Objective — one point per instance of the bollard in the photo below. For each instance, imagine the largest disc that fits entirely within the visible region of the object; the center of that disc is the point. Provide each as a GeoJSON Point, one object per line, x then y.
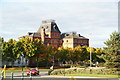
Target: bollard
{"type": "Point", "coordinates": [22, 75]}
{"type": "Point", "coordinates": [12, 75]}
{"type": "Point", "coordinates": [72, 78]}
{"type": "Point", "coordinates": [30, 76]}
{"type": "Point", "coordinates": [2, 77]}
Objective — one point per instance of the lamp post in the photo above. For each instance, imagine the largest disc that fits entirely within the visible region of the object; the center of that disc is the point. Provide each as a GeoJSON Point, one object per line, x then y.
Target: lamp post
{"type": "Point", "coordinates": [22, 61]}
{"type": "Point", "coordinates": [64, 67]}
{"type": "Point", "coordinates": [90, 53]}
{"type": "Point", "coordinates": [53, 61]}
{"type": "Point", "coordinates": [90, 56]}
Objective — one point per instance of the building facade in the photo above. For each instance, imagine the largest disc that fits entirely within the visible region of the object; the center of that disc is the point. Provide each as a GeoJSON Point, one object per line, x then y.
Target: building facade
{"type": "Point", "coordinates": [72, 40]}
{"type": "Point", "coordinates": [50, 34]}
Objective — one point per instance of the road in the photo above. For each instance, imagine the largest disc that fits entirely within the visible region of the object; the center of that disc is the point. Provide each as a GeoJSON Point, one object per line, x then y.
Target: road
{"type": "Point", "coordinates": [44, 76]}
{"type": "Point", "coordinates": [19, 73]}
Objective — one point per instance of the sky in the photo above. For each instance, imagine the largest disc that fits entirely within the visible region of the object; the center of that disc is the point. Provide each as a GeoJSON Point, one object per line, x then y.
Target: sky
{"type": "Point", "coordinates": [94, 19]}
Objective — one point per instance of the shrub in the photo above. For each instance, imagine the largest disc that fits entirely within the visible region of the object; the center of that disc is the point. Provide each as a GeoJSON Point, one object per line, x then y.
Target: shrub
{"type": "Point", "coordinates": [50, 71]}
{"type": "Point", "coordinates": [86, 71]}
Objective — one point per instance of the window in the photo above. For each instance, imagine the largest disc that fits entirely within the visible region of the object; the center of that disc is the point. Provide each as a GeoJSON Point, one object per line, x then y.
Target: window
{"type": "Point", "coordinates": [46, 27]}
{"type": "Point", "coordinates": [67, 34]}
{"type": "Point", "coordinates": [52, 41]}
{"type": "Point", "coordinates": [66, 40]}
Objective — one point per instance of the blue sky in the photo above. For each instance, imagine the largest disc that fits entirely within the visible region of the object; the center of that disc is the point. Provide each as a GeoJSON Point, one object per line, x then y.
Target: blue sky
{"type": "Point", "coordinates": [94, 19]}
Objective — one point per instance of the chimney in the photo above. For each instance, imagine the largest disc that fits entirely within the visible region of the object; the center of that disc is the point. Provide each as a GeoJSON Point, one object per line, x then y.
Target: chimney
{"type": "Point", "coordinates": [42, 35]}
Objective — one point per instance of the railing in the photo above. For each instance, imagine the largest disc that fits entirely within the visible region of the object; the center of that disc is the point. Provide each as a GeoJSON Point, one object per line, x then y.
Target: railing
{"type": "Point", "coordinates": [12, 76]}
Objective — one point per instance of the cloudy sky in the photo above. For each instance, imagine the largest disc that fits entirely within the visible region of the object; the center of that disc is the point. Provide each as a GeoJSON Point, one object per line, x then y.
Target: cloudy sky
{"type": "Point", "coordinates": [94, 19]}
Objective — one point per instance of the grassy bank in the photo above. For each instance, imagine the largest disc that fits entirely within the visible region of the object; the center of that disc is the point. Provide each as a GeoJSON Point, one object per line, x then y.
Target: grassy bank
{"type": "Point", "coordinates": [92, 75]}
{"type": "Point", "coordinates": [92, 72]}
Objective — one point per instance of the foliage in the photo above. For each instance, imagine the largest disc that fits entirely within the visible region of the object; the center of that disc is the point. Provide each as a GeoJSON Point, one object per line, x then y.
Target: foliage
{"type": "Point", "coordinates": [26, 47]}
{"type": "Point", "coordinates": [8, 52]}
{"type": "Point", "coordinates": [64, 54]}
{"type": "Point", "coordinates": [112, 51]}
{"type": "Point", "coordinates": [33, 49]}
{"type": "Point", "coordinates": [102, 71]}
{"type": "Point", "coordinates": [79, 54]}
{"type": "Point", "coordinates": [50, 71]}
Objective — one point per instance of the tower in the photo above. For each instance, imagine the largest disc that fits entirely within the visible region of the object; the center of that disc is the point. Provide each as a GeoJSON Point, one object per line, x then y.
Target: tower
{"type": "Point", "coordinates": [50, 33]}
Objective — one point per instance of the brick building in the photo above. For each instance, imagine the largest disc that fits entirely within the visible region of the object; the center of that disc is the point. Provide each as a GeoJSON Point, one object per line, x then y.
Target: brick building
{"type": "Point", "coordinates": [49, 33]}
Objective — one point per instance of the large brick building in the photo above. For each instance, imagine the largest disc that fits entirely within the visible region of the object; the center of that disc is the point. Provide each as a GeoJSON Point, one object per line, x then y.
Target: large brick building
{"type": "Point", "coordinates": [50, 34]}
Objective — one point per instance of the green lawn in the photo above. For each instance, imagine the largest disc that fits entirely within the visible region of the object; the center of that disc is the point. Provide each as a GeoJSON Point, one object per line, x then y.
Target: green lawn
{"type": "Point", "coordinates": [93, 75]}
{"type": "Point", "coordinates": [13, 70]}
{"type": "Point", "coordinates": [20, 69]}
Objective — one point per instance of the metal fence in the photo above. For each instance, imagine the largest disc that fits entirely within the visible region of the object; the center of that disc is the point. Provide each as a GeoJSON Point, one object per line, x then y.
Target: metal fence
{"type": "Point", "coordinates": [12, 77]}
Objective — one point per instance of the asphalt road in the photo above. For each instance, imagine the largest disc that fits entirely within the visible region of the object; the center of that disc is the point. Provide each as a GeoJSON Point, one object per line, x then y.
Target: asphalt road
{"type": "Point", "coordinates": [63, 78]}
{"type": "Point", "coordinates": [44, 76]}
{"type": "Point", "coordinates": [19, 74]}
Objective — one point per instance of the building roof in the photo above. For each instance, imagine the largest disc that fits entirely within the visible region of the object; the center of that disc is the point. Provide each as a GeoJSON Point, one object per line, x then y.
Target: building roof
{"type": "Point", "coordinates": [34, 34]}
{"type": "Point", "coordinates": [72, 35]}
{"type": "Point", "coordinates": [49, 26]}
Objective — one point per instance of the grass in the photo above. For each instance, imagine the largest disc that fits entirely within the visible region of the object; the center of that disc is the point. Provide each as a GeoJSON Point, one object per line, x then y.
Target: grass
{"type": "Point", "coordinates": [20, 69]}
{"type": "Point", "coordinates": [93, 75]}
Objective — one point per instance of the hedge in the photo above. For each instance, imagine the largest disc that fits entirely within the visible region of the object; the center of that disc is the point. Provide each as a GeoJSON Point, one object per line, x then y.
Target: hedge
{"type": "Point", "coordinates": [101, 71]}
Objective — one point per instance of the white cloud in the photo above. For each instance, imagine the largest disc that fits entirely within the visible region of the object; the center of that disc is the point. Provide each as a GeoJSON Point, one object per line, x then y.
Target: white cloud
{"type": "Point", "coordinates": [100, 18]}
{"type": "Point", "coordinates": [61, 0]}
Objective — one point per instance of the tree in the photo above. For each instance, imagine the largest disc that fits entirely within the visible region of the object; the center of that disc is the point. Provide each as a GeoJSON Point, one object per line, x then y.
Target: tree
{"type": "Point", "coordinates": [63, 54]}
{"type": "Point", "coordinates": [96, 52]}
{"type": "Point", "coordinates": [30, 48]}
{"type": "Point", "coordinates": [38, 48]}
{"type": "Point", "coordinates": [112, 51]}
{"type": "Point", "coordinates": [8, 52]}
{"type": "Point", "coordinates": [1, 41]}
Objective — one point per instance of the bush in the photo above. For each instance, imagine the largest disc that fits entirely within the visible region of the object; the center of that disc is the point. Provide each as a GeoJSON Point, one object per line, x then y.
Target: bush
{"type": "Point", "coordinates": [103, 71]}
{"type": "Point", "coordinates": [49, 72]}
{"type": "Point", "coordinates": [66, 66]}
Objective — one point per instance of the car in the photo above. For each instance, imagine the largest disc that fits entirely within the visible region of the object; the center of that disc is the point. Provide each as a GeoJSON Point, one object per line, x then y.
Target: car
{"type": "Point", "coordinates": [33, 71]}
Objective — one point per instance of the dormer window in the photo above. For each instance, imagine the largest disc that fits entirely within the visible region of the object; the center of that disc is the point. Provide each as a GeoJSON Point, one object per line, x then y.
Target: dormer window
{"type": "Point", "coordinates": [66, 40]}
{"type": "Point", "coordinates": [46, 27]}
{"type": "Point", "coordinates": [54, 27]}
{"type": "Point", "coordinates": [67, 34]}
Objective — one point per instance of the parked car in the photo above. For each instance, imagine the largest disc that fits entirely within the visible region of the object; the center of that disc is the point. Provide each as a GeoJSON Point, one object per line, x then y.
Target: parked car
{"type": "Point", "coordinates": [33, 71]}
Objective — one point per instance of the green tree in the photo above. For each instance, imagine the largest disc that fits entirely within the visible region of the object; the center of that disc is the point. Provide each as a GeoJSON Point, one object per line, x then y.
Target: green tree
{"type": "Point", "coordinates": [1, 42]}
{"type": "Point", "coordinates": [63, 54]}
{"type": "Point", "coordinates": [8, 52]}
{"type": "Point", "coordinates": [112, 51]}
{"type": "Point", "coordinates": [30, 48]}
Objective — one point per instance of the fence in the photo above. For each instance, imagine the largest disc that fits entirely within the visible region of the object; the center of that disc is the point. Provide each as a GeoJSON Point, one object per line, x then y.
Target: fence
{"type": "Point", "coordinates": [12, 77]}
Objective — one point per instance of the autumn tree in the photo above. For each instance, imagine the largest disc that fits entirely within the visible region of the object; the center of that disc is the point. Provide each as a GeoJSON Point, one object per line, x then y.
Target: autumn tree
{"type": "Point", "coordinates": [63, 54]}
{"type": "Point", "coordinates": [30, 48]}
{"type": "Point", "coordinates": [8, 52]}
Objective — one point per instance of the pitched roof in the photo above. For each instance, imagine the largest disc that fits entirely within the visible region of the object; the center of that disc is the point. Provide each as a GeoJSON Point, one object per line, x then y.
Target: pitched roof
{"type": "Point", "coordinates": [34, 34]}
{"type": "Point", "coordinates": [49, 26]}
{"type": "Point", "coordinates": [72, 35]}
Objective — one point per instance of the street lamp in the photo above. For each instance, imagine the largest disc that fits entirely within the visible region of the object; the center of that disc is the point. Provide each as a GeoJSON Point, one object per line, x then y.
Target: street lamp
{"type": "Point", "coordinates": [53, 61]}
{"type": "Point", "coordinates": [90, 56]}
{"type": "Point", "coordinates": [22, 61]}
{"type": "Point", "coordinates": [90, 53]}
{"type": "Point", "coordinates": [64, 67]}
